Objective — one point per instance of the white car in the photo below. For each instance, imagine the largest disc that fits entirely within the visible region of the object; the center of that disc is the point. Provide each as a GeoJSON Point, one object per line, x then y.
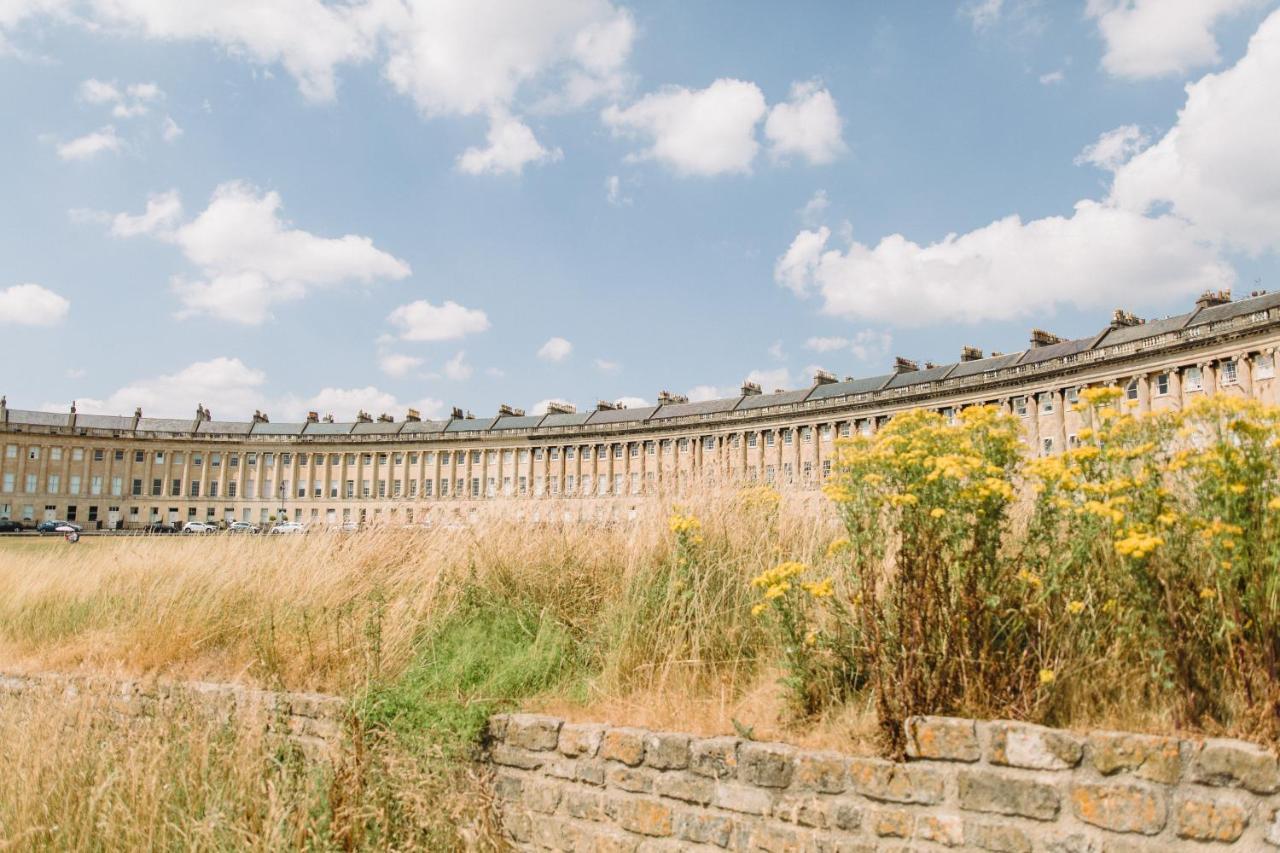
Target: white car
{"type": "Point", "coordinates": [199, 527]}
{"type": "Point", "coordinates": [289, 527]}
{"type": "Point", "coordinates": [242, 527]}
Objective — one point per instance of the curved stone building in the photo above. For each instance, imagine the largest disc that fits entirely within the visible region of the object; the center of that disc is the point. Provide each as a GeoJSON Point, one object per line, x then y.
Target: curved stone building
{"type": "Point", "coordinates": [127, 471]}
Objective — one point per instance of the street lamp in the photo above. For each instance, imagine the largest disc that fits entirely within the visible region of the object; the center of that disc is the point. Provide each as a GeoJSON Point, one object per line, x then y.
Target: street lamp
{"type": "Point", "coordinates": [282, 516]}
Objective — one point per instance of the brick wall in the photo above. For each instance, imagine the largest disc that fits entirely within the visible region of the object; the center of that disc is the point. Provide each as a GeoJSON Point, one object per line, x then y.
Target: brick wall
{"type": "Point", "coordinates": [314, 721]}
{"type": "Point", "coordinates": [998, 786]}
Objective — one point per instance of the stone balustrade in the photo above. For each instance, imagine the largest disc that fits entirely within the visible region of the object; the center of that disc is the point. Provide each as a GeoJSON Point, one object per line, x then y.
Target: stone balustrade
{"type": "Point", "coordinates": [967, 785]}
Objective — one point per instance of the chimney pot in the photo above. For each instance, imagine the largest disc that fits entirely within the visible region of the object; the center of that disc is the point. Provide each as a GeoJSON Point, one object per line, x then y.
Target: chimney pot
{"type": "Point", "coordinates": [1213, 297]}
{"type": "Point", "coordinates": [751, 389]}
{"type": "Point", "coordinates": [904, 365]}
{"type": "Point", "coordinates": [823, 377]}
{"type": "Point", "coordinates": [968, 353]}
{"type": "Point", "coordinates": [1041, 338]}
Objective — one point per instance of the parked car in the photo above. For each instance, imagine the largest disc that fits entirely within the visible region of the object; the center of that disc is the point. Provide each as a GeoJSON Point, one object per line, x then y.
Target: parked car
{"type": "Point", "coordinates": [160, 527]}
{"type": "Point", "coordinates": [243, 527]}
{"type": "Point", "coordinates": [8, 525]}
{"type": "Point", "coordinates": [198, 527]}
{"type": "Point", "coordinates": [52, 526]}
{"type": "Point", "coordinates": [289, 527]}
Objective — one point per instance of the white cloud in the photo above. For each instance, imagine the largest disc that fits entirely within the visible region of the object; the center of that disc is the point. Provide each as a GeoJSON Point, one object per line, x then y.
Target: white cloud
{"type": "Point", "coordinates": [815, 208]}
{"type": "Point", "coordinates": [613, 192]}
{"type": "Point", "coordinates": [699, 393]}
{"type": "Point", "coordinates": [830, 344]}
{"type": "Point", "coordinates": [250, 258]}
{"type": "Point", "coordinates": [983, 14]}
{"type": "Point", "coordinates": [422, 321]}
{"type": "Point", "coordinates": [768, 380]}
{"type": "Point", "coordinates": [1114, 147]}
{"type": "Point", "coordinates": [162, 213]}
{"type": "Point", "coordinates": [556, 349]}
{"type": "Point", "coordinates": [808, 124]}
{"type": "Point", "coordinates": [31, 305]}
{"type": "Point", "coordinates": [398, 364]}
{"type": "Point", "coordinates": [512, 146]}
{"type": "Point", "coordinates": [1217, 166]}
{"type": "Point", "coordinates": [232, 390]}
{"type": "Point", "coordinates": [1155, 38]}
{"type": "Point", "coordinates": [92, 144]}
{"type": "Point", "coordinates": [132, 101]}
{"type": "Point", "coordinates": [704, 132]}
{"type": "Point", "coordinates": [775, 351]}
{"type": "Point", "coordinates": [76, 373]}
{"type": "Point", "coordinates": [871, 345]}
{"type": "Point", "coordinates": [457, 368]}
{"type": "Point", "coordinates": [1052, 78]}
{"type": "Point", "coordinates": [1007, 269]}
{"type": "Point", "coordinates": [606, 366]}
{"type": "Point", "coordinates": [632, 402]}
{"type": "Point", "coordinates": [170, 130]}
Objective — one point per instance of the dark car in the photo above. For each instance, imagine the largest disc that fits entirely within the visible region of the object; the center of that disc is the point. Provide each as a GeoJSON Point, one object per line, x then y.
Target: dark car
{"type": "Point", "coordinates": [10, 526]}
{"type": "Point", "coordinates": [52, 526]}
{"type": "Point", "coordinates": [160, 527]}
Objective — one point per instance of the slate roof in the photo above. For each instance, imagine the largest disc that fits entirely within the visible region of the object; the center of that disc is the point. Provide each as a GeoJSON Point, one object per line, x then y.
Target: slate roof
{"type": "Point", "coordinates": [621, 416]}
{"type": "Point", "coordinates": [104, 422]}
{"type": "Point", "coordinates": [565, 419]}
{"type": "Point", "coordinates": [701, 407]}
{"type": "Point", "coordinates": [469, 424]}
{"type": "Point", "coordinates": [376, 428]}
{"type": "Point", "coordinates": [278, 429]}
{"type": "Point", "coordinates": [982, 365]}
{"type": "Point", "coordinates": [224, 427]}
{"type": "Point", "coordinates": [326, 428]}
{"type": "Point", "coordinates": [31, 418]}
{"type": "Point", "coordinates": [517, 422]}
{"type": "Point", "coordinates": [780, 398]}
{"type": "Point", "coordinates": [1236, 309]}
{"type": "Point", "coordinates": [915, 377]}
{"type": "Point", "coordinates": [178, 425]}
{"type": "Point", "coordinates": [423, 427]}
{"type": "Point", "coordinates": [1035, 355]}
{"type": "Point", "coordinates": [1125, 334]}
{"type": "Point", "coordinates": [849, 386]}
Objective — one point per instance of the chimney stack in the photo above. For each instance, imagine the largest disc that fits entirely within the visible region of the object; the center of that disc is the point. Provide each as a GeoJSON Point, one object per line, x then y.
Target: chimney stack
{"type": "Point", "coordinates": [260, 417]}
{"type": "Point", "coordinates": [413, 416]}
{"type": "Point", "coordinates": [509, 411]}
{"type": "Point", "coordinates": [1041, 338]}
{"type": "Point", "coordinates": [384, 418]}
{"type": "Point", "coordinates": [606, 406]}
{"type": "Point", "coordinates": [362, 417]}
{"type": "Point", "coordinates": [751, 389]}
{"type": "Point", "coordinates": [313, 417]}
{"type": "Point", "coordinates": [904, 365]}
{"type": "Point", "coordinates": [456, 414]}
{"type": "Point", "coordinates": [823, 377]}
{"type": "Point", "coordinates": [968, 353]}
{"type": "Point", "coordinates": [1210, 298]}
{"type": "Point", "coordinates": [559, 407]}
{"type": "Point", "coordinates": [328, 418]}
{"type": "Point", "coordinates": [666, 398]}
{"type": "Point", "coordinates": [1122, 318]}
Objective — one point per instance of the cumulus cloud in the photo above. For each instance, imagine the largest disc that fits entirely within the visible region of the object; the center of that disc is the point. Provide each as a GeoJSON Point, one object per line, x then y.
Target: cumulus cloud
{"type": "Point", "coordinates": [422, 321]}
{"type": "Point", "coordinates": [1210, 185]}
{"type": "Point", "coordinates": [613, 192]}
{"type": "Point", "coordinates": [1113, 148]}
{"type": "Point", "coordinates": [398, 364]}
{"type": "Point", "coordinates": [815, 208]}
{"type": "Point", "coordinates": [512, 146]}
{"type": "Point", "coordinates": [699, 393]}
{"type": "Point", "coordinates": [808, 124]}
{"type": "Point", "coordinates": [90, 145]}
{"type": "Point", "coordinates": [1155, 38]}
{"type": "Point", "coordinates": [543, 406]}
{"type": "Point", "coordinates": [555, 349]}
{"type": "Point", "coordinates": [232, 390]}
{"type": "Point", "coordinates": [250, 259]}
{"type": "Point", "coordinates": [1217, 167]}
{"type": "Point", "coordinates": [457, 368]}
{"type": "Point", "coordinates": [632, 402]}
{"type": "Point", "coordinates": [31, 305]}
{"type": "Point", "coordinates": [768, 380]}
{"type": "Point", "coordinates": [170, 131]}
{"type": "Point", "coordinates": [703, 132]}
{"type": "Point", "coordinates": [1052, 78]}
{"type": "Point", "coordinates": [606, 366]}
{"type": "Point", "coordinates": [131, 101]}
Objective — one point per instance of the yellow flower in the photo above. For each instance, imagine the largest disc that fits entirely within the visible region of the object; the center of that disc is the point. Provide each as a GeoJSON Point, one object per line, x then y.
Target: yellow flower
{"type": "Point", "coordinates": [1238, 488]}
{"type": "Point", "coordinates": [759, 608]}
{"type": "Point", "coordinates": [1047, 677]}
{"type": "Point", "coordinates": [810, 639]}
{"type": "Point", "coordinates": [839, 546]}
{"type": "Point", "coordinates": [821, 589]}
{"type": "Point", "coordinates": [1207, 593]}
{"type": "Point", "coordinates": [1075, 607]}
{"type": "Point", "coordinates": [937, 512]}
{"type": "Point", "coordinates": [1274, 503]}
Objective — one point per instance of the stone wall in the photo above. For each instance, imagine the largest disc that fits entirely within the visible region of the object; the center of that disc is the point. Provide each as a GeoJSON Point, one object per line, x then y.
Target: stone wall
{"type": "Point", "coordinates": [314, 721]}
{"type": "Point", "coordinates": [997, 786]}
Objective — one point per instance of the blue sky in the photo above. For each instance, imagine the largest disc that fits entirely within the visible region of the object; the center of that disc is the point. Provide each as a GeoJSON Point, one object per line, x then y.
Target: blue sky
{"type": "Point", "coordinates": [292, 204]}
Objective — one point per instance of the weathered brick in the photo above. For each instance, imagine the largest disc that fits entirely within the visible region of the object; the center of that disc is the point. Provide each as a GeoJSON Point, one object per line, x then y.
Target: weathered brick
{"type": "Point", "coordinates": [895, 783]}
{"type": "Point", "coordinates": [1158, 759]}
{"type": "Point", "coordinates": [645, 817]}
{"type": "Point", "coordinates": [1073, 843]}
{"type": "Point", "coordinates": [947, 830]}
{"type": "Point", "coordinates": [1033, 747]}
{"type": "Point", "coordinates": [704, 828]}
{"type": "Point", "coordinates": [561, 768]}
{"type": "Point", "coordinates": [685, 787]}
{"type": "Point", "coordinates": [550, 833]}
{"type": "Point", "coordinates": [580, 739]}
{"type": "Point", "coordinates": [1272, 834]}
{"type": "Point", "coordinates": [804, 810]}
{"type": "Point", "coordinates": [1210, 818]}
{"type": "Point", "coordinates": [583, 804]}
{"type": "Point", "coordinates": [509, 756]}
{"type": "Point", "coordinates": [507, 786]}
{"type": "Point", "coordinates": [1003, 793]}
{"type": "Point", "coordinates": [769, 765]}
{"type": "Point", "coordinates": [634, 779]}
{"type": "Point", "coordinates": [847, 815]}
{"type": "Point", "coordinates": [742, 798]}
{"type": "Point", "coordinates": [997, 837]}
{"type": "Point", "coordinates": [623, 744]}
{"type": "Point", "coordinates": [610, 840]}
{"type": "Point", "coordinates": [534, 732]}
{"type": "Point", "coordinates": [773, 839]}
{"type": "Point", "coordinates": [497, 727]}
{"type": "Point", "coordinates": [1120, 808]}
{"type": "Point", "coordinates": [892, 823]}
{"type": "Point", "coordinates": [839, 844]}
{"type": "Point", "coordinates": [543, 797]}
{"type": "Point", "coordinates": [821, 771]}
{"type": "Point", "coordinates": [716, 757]}
{"type": "Point", "coordinates": [942, 739]}
{"type": "Point", "coordinates": [517, 825]}
{"type": "Point", "coordinates": [666, 751]}
{"type": "Point", "coordinates": [1236, 763]}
